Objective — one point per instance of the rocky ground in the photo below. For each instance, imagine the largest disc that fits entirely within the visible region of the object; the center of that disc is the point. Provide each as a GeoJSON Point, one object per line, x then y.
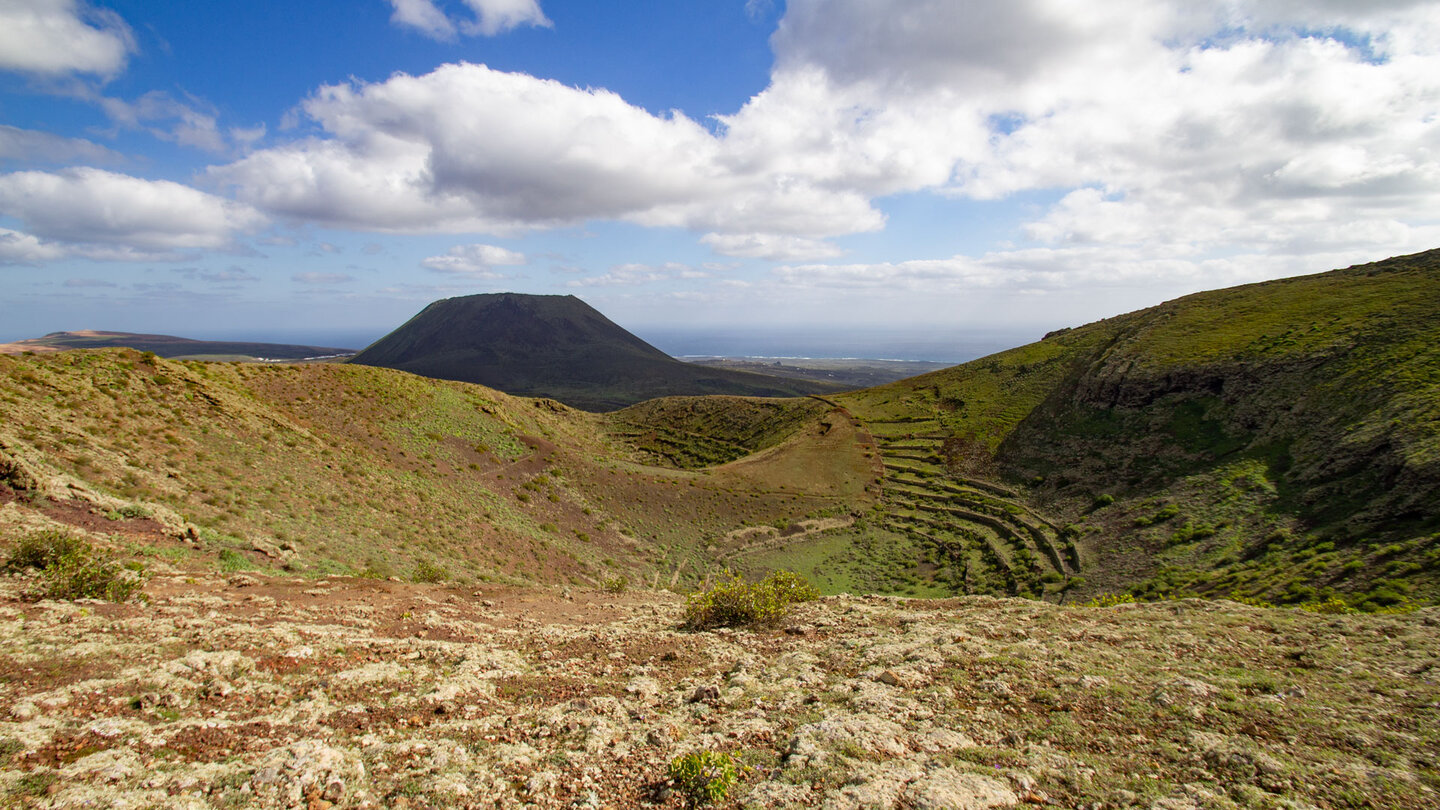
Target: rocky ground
{"type": "Point", "coordinates": [252, 692]}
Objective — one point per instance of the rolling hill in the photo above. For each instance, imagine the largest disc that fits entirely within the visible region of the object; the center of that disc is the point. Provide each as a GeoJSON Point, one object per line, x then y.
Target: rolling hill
{"type": "Point", "coordinates": [371, 588]}
{"type": "Point", "coordinates": [555, 346]}
{"type": "Point", "coordinates": [173, 347]}
{"type": "Point", "coordinates": [1275, 442]}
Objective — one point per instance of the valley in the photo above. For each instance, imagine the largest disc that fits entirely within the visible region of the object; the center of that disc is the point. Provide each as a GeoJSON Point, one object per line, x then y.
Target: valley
{"type": "Point", "coordinates": [432, 591]}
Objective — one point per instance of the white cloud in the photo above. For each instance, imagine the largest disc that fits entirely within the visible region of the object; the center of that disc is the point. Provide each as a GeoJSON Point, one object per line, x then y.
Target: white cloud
{"type": "Point", "coordinates": [104, 215]}
{"type": "Point", "coordinates": [188, 123]}
{"type": "Point", "coordinates": [777, 247]}
{"type": "Point", "coordinates": [58, 37]}
{"type": "Point", "coordinates": [632, 274]}
{"type": "Point", "coordinates": [31, 146]}
{"type": "Point", "coordinates": [467, 149]}
{"type": "Point", "coordinates": [423, 16]}
{"type": "Point", "coordinates": [474, 260]}
{"type": "Point", "coordinates": [322, 278]}
{"type": "Point", "coordinates": [491, 17]}
{"type": "Point", "coordinates": [1199, 130]}
{"type": "Point", "coordinates": [497, 16]}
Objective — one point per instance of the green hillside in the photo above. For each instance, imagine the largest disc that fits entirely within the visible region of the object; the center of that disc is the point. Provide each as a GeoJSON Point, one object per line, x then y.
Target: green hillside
{"type": "Point", "coordinates": [555, 346]}
{"type": "Point", "coordinates": [349, 469]}
{"type": "Point", "coordinates": [1277, 440]}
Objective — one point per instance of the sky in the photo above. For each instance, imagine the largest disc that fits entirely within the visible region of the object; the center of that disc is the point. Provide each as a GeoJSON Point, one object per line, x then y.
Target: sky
{"type": "Point", "coordinates": [962, 169]}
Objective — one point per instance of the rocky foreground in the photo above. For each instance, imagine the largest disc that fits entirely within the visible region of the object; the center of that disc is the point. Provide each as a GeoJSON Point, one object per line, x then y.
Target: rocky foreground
{"type": "Point", "coordinates": [249, 692]}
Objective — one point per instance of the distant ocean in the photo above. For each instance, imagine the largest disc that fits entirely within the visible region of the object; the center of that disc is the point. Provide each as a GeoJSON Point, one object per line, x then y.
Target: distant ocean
{"type": "Point", "coordinates": [941, 346]}
{"type": "Point", "coordinates": [876, 344]}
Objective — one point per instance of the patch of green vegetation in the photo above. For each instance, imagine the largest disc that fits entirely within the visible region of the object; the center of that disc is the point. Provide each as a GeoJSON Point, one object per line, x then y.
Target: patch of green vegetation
{"type": "Point", "coordinates": [231, 561]}
{"type": "Point", "coordinates": [70, 568]}
{"type": "Point", "coordinates": [428, 572]}
{"type": "Point", "coordinates": [703, 778]}
{"type": "Point", "coordinates": [733, 602]}
{"type": "Point", "coordinates": [696, 432]}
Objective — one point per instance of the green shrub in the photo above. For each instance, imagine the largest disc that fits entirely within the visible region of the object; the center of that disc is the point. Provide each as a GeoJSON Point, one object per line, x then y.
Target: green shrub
{"type": "Point", "coordinates": [733, 602]}
{"type": "Point", "coordinates": [703, 777]}
{"type": "Point", "coordinates": [1105, 600]}
{"type": "Point", "coordinates": [1334, 605]}
{"type": "Point", "coordinates": [618, 584]}
{"type": "Point", "coordinates": [1103, 500]}
{"type": "Point", "coordinates": [232, 560]}
{"type": "Point", "coordinates": [40, 550]}
{"type": "Point", "coordinates": [71, 568]}
{"type": "Point", "coordinates": [426, 571]}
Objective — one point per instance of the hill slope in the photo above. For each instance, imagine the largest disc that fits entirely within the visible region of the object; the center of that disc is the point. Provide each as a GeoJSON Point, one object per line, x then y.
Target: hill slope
{"type": "Point", "coordinates": [1280, 439]}
{"type": "Point", "coordinates": [171, 346]}
{"type": "Point", "coordinates": [554, 346]}
{"type": "Point", "coordinates": [325, 468]}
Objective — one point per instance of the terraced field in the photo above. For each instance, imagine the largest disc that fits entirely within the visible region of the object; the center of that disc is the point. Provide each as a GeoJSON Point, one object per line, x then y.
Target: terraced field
{"type": "Point", "coordinates": [981, 535]}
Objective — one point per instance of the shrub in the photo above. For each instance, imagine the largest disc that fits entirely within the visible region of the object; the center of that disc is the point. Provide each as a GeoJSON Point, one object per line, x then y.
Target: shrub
{"type": "Point", "coordinates": [1111, 600]}
{"type": "Point", "coordinates": [1334, 605]}
{"type": "Point", "coordinates": [736, 603]}
{"type": "Point", "coordinates": [618, 584]}
{"type": "Point", "coordinates": [1103, 500]}
{"type": "Point", "coordinates": [42, 549]}
{"type": "Point", "coordinates": [703, 777]}
{"type": "Point", "coordinates": [426, 571]}
{"type": "Point", "coordinates": [71, 568]}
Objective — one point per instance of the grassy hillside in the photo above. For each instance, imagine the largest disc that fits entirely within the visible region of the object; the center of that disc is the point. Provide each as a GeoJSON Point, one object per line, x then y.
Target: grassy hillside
{"type": "Point", "coordinates": [555, 346]}
{"type": "Point", "coordinates": [1277, 440]}
{"type": "Point", "coordinates": [175, 348]}
{"type": "Point", "coordinates": [359, 470]}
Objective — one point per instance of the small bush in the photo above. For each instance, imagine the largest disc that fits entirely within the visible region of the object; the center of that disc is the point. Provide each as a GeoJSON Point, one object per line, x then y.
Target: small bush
{"type": "Point", "coordinates": [1334, 606]}
{"type": "Point", "coordinates": [737, 603]}
{"type": "Point", "coordinates": [426, 571]}
{"type": "Point", "coordinates": [1105, 600]}
{"type": "Point", "coordinates": [71, 568]}
{"type": "Point", "coordinates": [703, 777]}
{"type": "Point", "coordinates": [41, 550]}
{"type": "Point", "coordinates": [231, 560]}
{"type": "Point", "coordinates": [1103, 500]}
{"type": "Point", "coordinates": [618, 584]}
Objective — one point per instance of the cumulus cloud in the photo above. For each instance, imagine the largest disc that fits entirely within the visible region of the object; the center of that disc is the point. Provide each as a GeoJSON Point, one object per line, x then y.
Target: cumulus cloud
{"type": "Point", "coordinates": [490, 17]}
{"type": "Point", "coordinates": [470, 149]}
{"type": "Point", "coordinates": [99, 214]}
{"type": "Point", "coordinates": [60, 37]}
{"type": "Point", "coordinates": [1182, 133]}
{"type": "Point", "coordinates": [474, 260]}
{"type": "Point", "coordinates": [1203, 129]}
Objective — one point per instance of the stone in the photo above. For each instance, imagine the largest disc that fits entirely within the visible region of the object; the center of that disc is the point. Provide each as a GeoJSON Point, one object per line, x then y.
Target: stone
{"type": "Point", "coordinates": [950, 789]}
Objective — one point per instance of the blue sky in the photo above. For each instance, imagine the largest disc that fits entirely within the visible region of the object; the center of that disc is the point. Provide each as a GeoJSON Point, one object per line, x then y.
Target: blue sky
{"type": "Point", "coordinates": [932, 166]}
